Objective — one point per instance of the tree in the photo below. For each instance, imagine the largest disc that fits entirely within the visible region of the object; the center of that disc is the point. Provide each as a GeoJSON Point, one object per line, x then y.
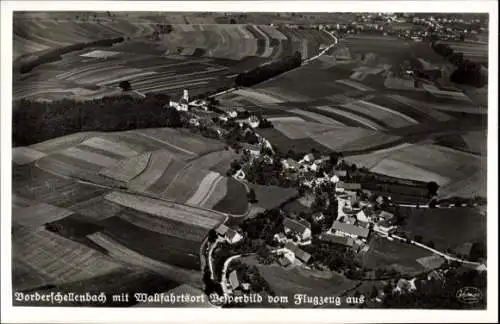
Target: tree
{"type": "Point", "coordinates": [125, 85]}
{"type": "Point", "coordinates": [418, 238]}
{"type": "Point", "coordinates": [333, 158]}
{"type": "Point", "coordinates": [432, 188]}
{"type": "Point", "coordinates": [251, 196]}
{"type": "Point", "coordinates": [477, 251]}
{"type": "Point", "coordinates": [232, 21]}
{"type": "Point", "coordinates": [212, 236]}
{"type": "Point", "coordinates": [173, 118]}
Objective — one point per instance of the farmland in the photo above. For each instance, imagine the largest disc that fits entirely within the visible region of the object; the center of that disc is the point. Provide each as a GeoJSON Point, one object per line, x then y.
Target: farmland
{"type": "Point", "coordinates": [269, 197]}
{"type": "Point", "coordinates": [394, 254]}
{"type": "Point", "coordinates": [121, 189]}
{"type": "Point", "coordinates": [68, 184]}
{"type": "Point", "coordinates": [290, 281]}
{"type": "Point", "coordinates": [201, 57]}
{"type": "Point", "coordinates": [434, 225]}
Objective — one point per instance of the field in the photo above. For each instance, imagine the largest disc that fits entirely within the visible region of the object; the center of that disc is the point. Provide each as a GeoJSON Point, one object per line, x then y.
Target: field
{"type": "Point", "coordinates": [98, 192]}
{"type": "Point", "coordinates": [287, 282]}
{"type": "Point", "coordinates": [476, 52]}
{"type": "Point", "coordinates": [434, 225]}
{"type": "Point", "coordinates": [430, 163]}
{"type": "Point", "coordinates": [235, 201]}
{"type": "Point", "coordinates": [394, 254]}
{"type": "Point", "coordinates": [269, 197]}
{"type": "Point", "coordinates": [200, 56]}
{"type": "Point", "coordinates": [55, 258]}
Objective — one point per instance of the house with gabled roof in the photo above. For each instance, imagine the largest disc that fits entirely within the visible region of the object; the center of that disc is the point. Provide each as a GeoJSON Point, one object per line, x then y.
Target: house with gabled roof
{"type": "Point", "coordinates": [353, 231]}
{"type": "Point", "coordinates": [341, 240]}
{"type": "Point", "coordinates": [300, 228]}
{"type": "Point", "coordinates": [229, 234]}
{"type": "Point", "coordinates": [298, 252]}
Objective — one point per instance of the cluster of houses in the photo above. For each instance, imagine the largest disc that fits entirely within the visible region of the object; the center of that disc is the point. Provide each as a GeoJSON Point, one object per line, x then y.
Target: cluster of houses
{"type": "Point", "coordinates": [200, 107]}
{"type": "Point", "coordinates": [356, 217]}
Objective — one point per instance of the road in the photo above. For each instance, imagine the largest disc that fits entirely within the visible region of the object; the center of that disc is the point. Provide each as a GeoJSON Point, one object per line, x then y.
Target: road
{"type": "Point", "coordinates": [210, 251]}
{"type": "Point", "coordinates": [437, 206]}
{"type": "Point", "coordinates": [304, 62]}
{"type": "Point", "coordinates": [444, 255]}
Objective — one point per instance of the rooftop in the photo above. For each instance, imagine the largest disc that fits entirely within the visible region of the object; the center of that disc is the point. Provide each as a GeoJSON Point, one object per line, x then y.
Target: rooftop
{"type": "Point", "coordinates": [350, 229]}
{"type": "Point", "coordinates": [301, 254]}
{"type": "Point", "coordinates": [222, 229]}
{"type": "Point", "coordinates": [349, 185]}
{"type": "Point", "coordinates": [295, 225]}
{"type": "Point", "coordinates": [347, 241]}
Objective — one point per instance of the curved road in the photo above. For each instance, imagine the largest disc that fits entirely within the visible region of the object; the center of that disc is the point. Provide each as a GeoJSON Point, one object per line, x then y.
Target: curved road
{"type": "Point", "coordinates": [304, 62]}
{"type": "Point", "coordinates": [444, 255]}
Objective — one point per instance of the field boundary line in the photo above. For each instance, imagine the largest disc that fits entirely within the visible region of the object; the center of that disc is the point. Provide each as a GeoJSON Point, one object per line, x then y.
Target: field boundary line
{"type": "Point", "coordinates": [166, 143]}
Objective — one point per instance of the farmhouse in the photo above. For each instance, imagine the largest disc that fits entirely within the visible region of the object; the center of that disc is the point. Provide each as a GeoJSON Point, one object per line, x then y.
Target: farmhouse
{"type": "Point", "coordinates": [350, 230]}
{"type": "Point", "coordinates": [299, 253]}
{"type": "Point", "coordinates": [427, 69]}
{"type": "Point", "coordinates": [299, 228]}
{"type": "Point", "coordinates": [341, 240]}
{"type": "Point", "coordinates": [290, 164]}
{"type": "Point", "coordinates": [228, 234]}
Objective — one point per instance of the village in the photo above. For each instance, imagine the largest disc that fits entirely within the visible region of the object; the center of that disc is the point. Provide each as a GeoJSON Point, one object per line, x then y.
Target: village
{"type": "Point", "coordinates": [349, 218]}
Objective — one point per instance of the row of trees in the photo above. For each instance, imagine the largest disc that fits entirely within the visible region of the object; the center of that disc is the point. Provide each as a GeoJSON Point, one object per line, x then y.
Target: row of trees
{"type": "Point", "coordinates": [55, 54]}
{"type": "Point", "coordinates": [467, 72]}
{"type": "Point", "coordinates": [264, 72]}
{"type": "Point", "coordinates": [34, 121]}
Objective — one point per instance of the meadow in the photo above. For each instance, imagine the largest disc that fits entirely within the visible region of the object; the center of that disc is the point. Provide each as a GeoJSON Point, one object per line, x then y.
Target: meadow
{"type": "Point", "coordinates": [469, 226]}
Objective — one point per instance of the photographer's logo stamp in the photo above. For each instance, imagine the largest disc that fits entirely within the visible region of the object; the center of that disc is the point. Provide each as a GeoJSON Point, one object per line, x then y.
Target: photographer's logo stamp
{"type": "Point", "coordinates": [469, 295]}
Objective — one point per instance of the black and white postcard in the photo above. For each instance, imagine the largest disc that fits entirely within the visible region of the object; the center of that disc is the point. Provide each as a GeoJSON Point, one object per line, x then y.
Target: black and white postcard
{"type": "Point", "coordinates": [249, 156]}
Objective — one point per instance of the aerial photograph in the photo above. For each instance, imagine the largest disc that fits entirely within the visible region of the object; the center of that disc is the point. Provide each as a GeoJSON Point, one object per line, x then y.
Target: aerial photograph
{"type": "Point", "coordinates": [249, 159]}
